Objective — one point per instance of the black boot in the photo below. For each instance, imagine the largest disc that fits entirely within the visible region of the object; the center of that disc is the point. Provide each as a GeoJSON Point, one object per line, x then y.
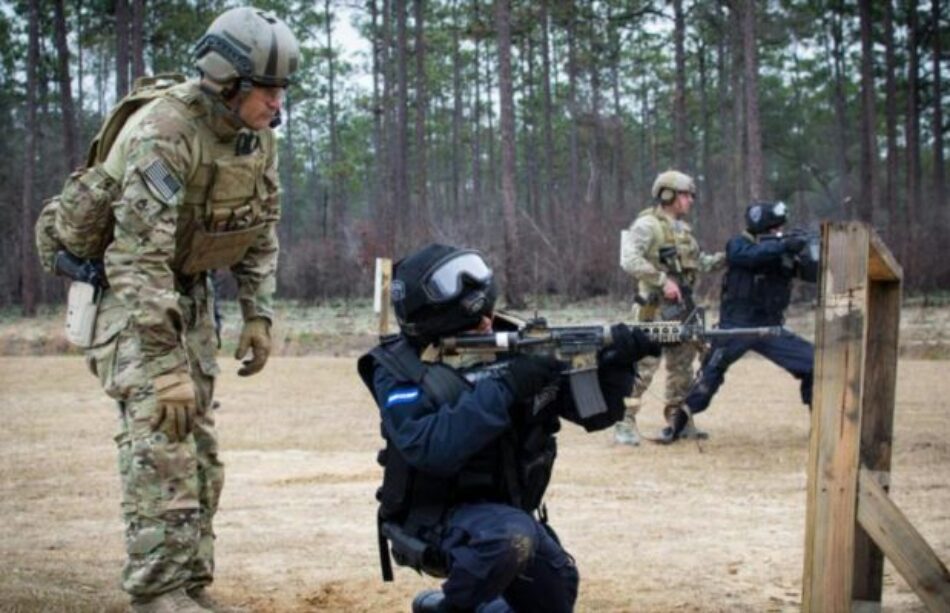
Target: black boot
{"type": "Point", "coordinates": [429, 601]}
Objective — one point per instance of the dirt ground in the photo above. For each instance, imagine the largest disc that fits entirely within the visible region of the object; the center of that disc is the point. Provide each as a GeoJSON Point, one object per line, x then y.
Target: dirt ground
{"type": "Point", "coordinates": [711, 527]}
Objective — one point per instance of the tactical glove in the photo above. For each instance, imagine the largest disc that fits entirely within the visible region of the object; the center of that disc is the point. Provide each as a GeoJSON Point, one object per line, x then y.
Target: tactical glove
{"type": "Point", "coordinates": [632, 345]}
{"type": "Point", "coordinates": [527, 375]}
{"type": "Point", "coordinates": [794, 244]}
{"type": "Point", "coordinates": [175, 395]}
{"type": "Point", "coordinates": [255, 336]}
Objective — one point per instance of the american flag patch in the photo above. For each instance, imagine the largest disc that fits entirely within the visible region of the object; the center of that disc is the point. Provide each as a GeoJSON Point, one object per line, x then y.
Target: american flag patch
{"type": "Point", "coordinates": [161, 180]}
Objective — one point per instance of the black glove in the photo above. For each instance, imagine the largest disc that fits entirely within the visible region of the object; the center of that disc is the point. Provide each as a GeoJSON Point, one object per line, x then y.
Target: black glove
{"type": "Point", "coordinates": [794, 244]}
{"type": "Point", "coordinates": [632, 345]}
{"type": "Point", "coordinates": [527, 375]}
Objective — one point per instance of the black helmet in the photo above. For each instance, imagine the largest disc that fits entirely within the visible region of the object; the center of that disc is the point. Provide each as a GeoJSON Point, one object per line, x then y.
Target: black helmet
{"type": "Point", "coordinates": [441, 290]}
{"type": "Point", "coordinates": [760, 217]}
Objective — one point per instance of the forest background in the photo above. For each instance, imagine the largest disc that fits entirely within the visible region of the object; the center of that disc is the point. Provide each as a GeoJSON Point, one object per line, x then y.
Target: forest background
{"type": "Point", "coordinates": [530, 129]}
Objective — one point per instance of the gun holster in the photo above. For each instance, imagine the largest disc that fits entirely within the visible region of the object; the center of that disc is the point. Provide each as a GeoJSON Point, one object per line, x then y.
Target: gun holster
{"type": "Point", "coordinates": [407, 550]}
{"type": "Point", "coordinates": [82, 307]}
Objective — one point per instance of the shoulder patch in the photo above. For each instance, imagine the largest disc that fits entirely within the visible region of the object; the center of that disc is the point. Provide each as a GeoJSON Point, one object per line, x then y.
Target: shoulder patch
{"type": "Point", "coordinates": [402, 395]}
{"type": "Point", "coordinates": [161, 181]}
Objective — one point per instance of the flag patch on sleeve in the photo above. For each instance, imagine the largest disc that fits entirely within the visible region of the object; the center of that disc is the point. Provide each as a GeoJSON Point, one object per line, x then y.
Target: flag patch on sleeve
{"type": "Point", "coordinates": [402, 395]}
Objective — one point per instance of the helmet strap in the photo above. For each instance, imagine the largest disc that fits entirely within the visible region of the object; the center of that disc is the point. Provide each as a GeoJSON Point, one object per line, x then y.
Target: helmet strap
{"type": "Point", "coordinates": [227, 98]}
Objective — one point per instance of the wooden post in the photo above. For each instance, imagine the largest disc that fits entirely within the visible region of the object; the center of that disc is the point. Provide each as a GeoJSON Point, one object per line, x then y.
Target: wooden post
{"type": "Point", "coordinates": [851, 524]}
{"type": "Point", "coordinates": [381, 303]}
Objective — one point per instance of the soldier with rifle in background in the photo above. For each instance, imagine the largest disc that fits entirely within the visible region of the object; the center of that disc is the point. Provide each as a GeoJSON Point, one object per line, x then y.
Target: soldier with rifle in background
{"type": "Point", "coordinates": [660, 251]}
{"type": "Point", "coordinates": [756, 290]}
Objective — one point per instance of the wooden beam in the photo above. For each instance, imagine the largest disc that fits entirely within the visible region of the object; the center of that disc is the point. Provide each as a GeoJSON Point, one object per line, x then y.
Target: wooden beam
{"type": "Point", "coordinates": [836, 419]}
{"type": "Point", "coordinates": [882, 264]}
{"type": "Point", "coordinates": [877, 421]}
{"type": "Point", "coordinates": [382, 305]}
{"type": "Point", "coordinates": [905, 548]}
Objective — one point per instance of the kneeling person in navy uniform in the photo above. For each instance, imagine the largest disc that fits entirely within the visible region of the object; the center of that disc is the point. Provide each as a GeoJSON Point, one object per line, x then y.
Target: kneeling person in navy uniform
{"type": "Point", "coordinates": [756, 290]}
{"type": "Point", "coordinates": [470, 447]}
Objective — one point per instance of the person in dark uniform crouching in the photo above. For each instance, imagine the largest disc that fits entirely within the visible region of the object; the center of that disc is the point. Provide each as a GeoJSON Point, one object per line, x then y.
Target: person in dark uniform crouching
{"type": "Point", "coordinates": [756, 290]}
{"type": "Point", "coordinates": [470, 446]}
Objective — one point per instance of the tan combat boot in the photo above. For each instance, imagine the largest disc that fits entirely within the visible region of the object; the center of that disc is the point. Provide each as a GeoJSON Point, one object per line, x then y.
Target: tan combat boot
{"type": "Point", "coordinates": [626, 431]}
{"type": "Point", "coordinates": [203, 597]}
{"type": "Point", "coordinates": [176, 601]}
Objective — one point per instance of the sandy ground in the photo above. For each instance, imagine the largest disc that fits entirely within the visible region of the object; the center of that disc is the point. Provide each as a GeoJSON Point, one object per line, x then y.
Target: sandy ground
{"type": "Point", "coordinates": [711, 527]}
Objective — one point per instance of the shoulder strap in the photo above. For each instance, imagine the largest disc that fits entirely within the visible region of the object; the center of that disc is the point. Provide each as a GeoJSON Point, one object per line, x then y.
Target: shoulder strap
{"type": "Point", "coordinates": [144, 91]}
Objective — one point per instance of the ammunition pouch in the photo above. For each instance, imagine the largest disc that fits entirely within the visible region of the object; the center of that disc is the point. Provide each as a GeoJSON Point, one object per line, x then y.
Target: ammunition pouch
{"type": "Point", "coordinates": [82, 307]}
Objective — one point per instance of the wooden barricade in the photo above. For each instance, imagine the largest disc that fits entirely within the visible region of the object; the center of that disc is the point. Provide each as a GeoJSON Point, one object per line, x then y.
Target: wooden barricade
{"type": "Point", "coordinates": [851, 524]}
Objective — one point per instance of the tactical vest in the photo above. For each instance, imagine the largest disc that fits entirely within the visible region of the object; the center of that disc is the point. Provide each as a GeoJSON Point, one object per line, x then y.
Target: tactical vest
{"type": "Point", "coordinates": [228, 198]}
{"type": "Point", "coordinates": [514, 470]}
{"type": "Point", "coordinates": [757, 296]}
{"type": "Point", "coordinates": [673, 235]}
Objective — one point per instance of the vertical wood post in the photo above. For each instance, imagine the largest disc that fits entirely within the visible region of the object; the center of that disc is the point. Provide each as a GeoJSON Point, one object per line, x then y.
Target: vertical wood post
{"type": "Point", "coordinates": [381, 288]}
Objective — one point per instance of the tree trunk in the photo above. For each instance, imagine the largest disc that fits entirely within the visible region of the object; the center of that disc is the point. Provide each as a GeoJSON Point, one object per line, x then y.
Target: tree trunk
{"type": "Point", "coordinates": [756, 165]}
{"type": "Point", "coordinates": [707, 189]}
{"type": "Point", "coordinates": [80, 75]}
{"type": "Point", "coordinates": [890, 112]}
{"type": "Point", "coordinates": [868, 198]}
{"type": "Point", "coordinates": [337, 205]}
{"type": "Point", "coordinates": [513, 289]}
{"type": "Point", "coordinates": [27, 257]}
{"type": "Point", "coordinates": [138, 38]}
{"type": "Point", "coordinates": [740, 149]}
{"type": "Point", "coordinates": [549, 183]}
{"type": "Point", "coordinates": [121, 48]}
{"type": "Point", "coordinates": [375, 207]}
{"type": "Point", "coordinates": [839, 102]}
{"type": "Point", "coordinates": [287, 197]}
{"type": "Point", "coordinates": [940, 193]}
{"type": "Point", "coordinates": [913, 114]}
{"type": "Point", "coordinates": [620, 164]}
{"type": "Point", "coordinates": [572, 105]}
{"type": "Point", "coordinates": [594, 197]}
{"type": "Point", "coordinates": [679, 88]}
{"type": "Point", "coordinates": [476, 125]}
{"type": "Point", "coordinates": [403, 203]}
{"type": "Point", "coordinates": [70, 137]}
{"type": "Point", "coordinates": [456, 111]}
{"type": "Point", "coordinates": [421, 203]}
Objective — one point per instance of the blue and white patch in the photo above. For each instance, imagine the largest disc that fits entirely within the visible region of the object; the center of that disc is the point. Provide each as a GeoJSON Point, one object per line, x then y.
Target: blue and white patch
{"type": "Point", "coordinates": [402, 395]}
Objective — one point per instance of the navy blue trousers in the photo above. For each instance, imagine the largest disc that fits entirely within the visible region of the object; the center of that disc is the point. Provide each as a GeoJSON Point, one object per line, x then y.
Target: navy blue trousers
{"type": "Point", "coordinates": [502, 559]}
{"type": "Point", "coordinates": [791, 352]}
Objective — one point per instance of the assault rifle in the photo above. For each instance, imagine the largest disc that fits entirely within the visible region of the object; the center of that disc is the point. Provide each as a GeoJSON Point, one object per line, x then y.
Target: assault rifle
{"type": "Point", "coordinates": [578, 347]}
{"type": "Point", "coordinates": [805, 263]}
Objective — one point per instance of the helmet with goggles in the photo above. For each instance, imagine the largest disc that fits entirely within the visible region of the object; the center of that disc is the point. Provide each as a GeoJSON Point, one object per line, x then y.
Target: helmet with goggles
{"type": "Point", "coordinates": [441, 290]}
{"type": "Point", "coordinates": [760, 217]}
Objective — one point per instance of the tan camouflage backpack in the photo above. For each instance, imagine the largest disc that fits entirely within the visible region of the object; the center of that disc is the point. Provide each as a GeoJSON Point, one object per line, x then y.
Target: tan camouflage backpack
{"type": "Point", "coordinates": [79, 219]}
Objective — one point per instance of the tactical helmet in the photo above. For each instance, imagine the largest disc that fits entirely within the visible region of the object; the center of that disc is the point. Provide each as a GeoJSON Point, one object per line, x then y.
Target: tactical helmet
{"type": "Point", "coordinates": [441, 290]}
{"type": "Point", "coordinates": [760, 217]}
{"type": "Point", "coordinates": [668, 183]}
{"type": "Point", "coordinates": [249, 44]}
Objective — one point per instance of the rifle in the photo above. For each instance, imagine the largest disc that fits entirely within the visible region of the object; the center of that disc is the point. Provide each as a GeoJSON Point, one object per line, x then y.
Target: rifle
{"type": "Point", "coordinates": [578, 346]}
{"type": "Point", "coordinates": [686, 306]}
{"type": "Point", "coordinates": [805, 263]}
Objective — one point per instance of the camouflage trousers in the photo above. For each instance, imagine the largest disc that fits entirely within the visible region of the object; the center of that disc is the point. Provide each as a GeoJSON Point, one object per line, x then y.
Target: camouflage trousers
{"type": "Point", "coordinates": [170, 491]}
{"type": "Point", "coordinates": [679, 373]}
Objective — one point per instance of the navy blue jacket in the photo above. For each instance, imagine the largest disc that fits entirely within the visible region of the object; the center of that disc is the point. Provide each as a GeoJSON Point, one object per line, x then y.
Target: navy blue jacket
{"type": "Point", "coordinates": [756, 288]}
{"type": "Point", "coordinates": [442, 439]}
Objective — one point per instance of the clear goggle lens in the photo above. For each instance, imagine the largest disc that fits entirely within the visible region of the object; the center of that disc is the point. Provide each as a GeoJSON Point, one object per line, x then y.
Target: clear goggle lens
{"type": "Point", "coordinates": [446, 281]}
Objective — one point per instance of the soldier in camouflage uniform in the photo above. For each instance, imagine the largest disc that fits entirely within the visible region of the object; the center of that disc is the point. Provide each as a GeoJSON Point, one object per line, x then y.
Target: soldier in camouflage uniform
{"type": "Point", "coordinates": [659, 250]}
{"type": "Point", "coordinates": [197, 170]}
